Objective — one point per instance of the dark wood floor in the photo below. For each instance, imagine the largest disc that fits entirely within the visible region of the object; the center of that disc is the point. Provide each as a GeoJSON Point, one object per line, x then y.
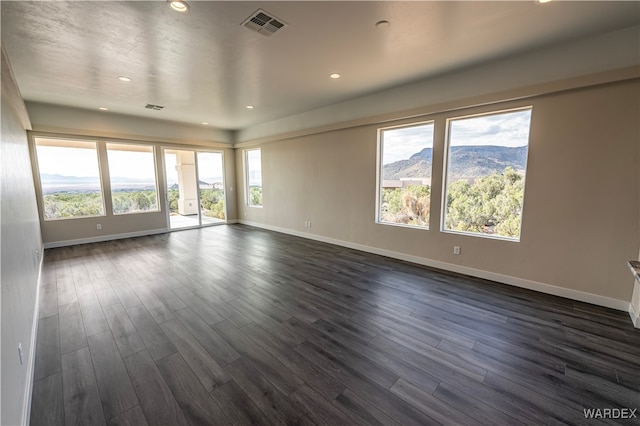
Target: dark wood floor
{"type": "Point", "coordinates": [236, 325]}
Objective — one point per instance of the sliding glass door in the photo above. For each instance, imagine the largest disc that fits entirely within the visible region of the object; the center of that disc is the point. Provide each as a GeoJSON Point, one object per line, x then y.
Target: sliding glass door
{"type": "Point", "coordinates": [195, 188]}
{"type": "Point", "coordinates": [211, 187]}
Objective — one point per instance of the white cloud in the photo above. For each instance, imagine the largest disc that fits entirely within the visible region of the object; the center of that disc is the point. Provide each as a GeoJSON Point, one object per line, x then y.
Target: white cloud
{"type": "Point", "coordinates": [403, 142]}
{"type": "Point", "coordinates": [68, 161]}
{"type": "Point", "coordinates": [509, 129]}
{"type": "Point", "coordinates": [131, 164]}
{"type": "Point", "coordinates": [506, 129]}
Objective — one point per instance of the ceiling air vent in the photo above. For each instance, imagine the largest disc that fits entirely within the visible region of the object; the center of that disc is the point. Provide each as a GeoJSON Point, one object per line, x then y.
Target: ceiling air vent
{"type": "Point", "coordinates": [264, 23]}
{"type": "Point", "coordinates": [154, 107]}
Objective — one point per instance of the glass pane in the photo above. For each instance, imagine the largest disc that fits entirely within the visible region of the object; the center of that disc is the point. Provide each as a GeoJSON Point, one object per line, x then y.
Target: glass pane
{"type": "Point", "coordinates": [132, 171]}
{"type": "Point", "coordinates": [182, 188]}
{"type": "Point", "coordinates": [254, 177]}
{"type": "Point", "coordinates": [486, 172]}
{"type": "Point", "coordinates": [405, 191]}
{"type": "Point", "coordinates": [70, 179]}
{"type": "Point", "coordinates": [211, 186]}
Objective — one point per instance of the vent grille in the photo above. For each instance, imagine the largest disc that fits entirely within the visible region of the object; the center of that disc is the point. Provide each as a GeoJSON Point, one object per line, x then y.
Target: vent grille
{"type": "Point", "coordinates": [264, 23]}
{"type": "Point", "coordinates": [154, 107]}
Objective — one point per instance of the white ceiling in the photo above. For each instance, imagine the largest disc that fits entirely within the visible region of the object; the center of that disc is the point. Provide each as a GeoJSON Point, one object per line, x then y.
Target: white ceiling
{"type": "Point", "coordinates": [203, 66]}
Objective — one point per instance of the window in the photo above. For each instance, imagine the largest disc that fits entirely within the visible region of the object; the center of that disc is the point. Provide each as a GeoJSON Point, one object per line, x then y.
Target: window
{"type": "Point", "coordinates": [132, 173]}
{"type": "Point", "coordinates": [69, 178]}
{"type": "Point", "coordinates": [211, 186]}
{"type": "Point", "coordinates": [253, 168]}
{"type": "Point", "coordinates": [404, 176]}
{"type": "Point", "coordinates": [485, 173]}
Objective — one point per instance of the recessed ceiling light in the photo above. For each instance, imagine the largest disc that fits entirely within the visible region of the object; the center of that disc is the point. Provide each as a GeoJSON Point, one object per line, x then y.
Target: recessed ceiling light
{"type": "Point", "coordinates": [335, 75]}
{"type": "Point", "coordinates": [178, 5]}
{"type": "Point", "coordinates": [124, 78]}
{"type": "Point", "coordinates": [382, 24]}
{"type": "Point", "coordinates": [205, 123]}
{"type": "Point", "coordinates": [103, 109]}
{"type": "Point", "coordinates": [543, 1]}
{"type": "Point", "coordinates": [250, 107]}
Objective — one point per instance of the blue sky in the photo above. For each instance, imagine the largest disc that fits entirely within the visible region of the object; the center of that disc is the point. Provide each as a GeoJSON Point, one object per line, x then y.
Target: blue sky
{"type": "Point", "coordinates": [83, 162]}
{"type": "Point", "coordinates": [68, 161]}
{"type": "Point", "coordinates": [402, 142]}
{"type": "Point", "coordinates": [509, 129]}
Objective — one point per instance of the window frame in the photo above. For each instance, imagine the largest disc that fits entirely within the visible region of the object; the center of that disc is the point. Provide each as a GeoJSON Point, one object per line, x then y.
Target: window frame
{"type": "Point", "coordinates": [156, 177]}
{"type": "Point", "coordinates": [247, 171]}
{"type": "Point", "coordinates": [380, 167]}
{"type": "Point", "coordinates": [70, 141]}
{"type": "Point", "coordinates": [445, 173]}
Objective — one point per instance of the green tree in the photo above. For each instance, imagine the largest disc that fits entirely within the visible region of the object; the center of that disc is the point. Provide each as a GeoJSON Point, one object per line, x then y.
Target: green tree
{"type": "Point", "coordinates": [255, 195]}
{"type": "Point", "coordinates": [172, 196]}
{"type": "Point", "coordinates": [142, 202]}
{"type": "Point", "coordinates": [212, 203]}
{"type": "Point", "coordinates": [60, 205]}
{"type": "Point", "coordinates": [410, 205]}
{"type": "Point", "coordinates": [490, 205]}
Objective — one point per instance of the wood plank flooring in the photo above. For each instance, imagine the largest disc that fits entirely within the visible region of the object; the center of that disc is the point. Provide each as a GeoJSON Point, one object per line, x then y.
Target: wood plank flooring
{"type": "Point", "coordinates": [237, 325]}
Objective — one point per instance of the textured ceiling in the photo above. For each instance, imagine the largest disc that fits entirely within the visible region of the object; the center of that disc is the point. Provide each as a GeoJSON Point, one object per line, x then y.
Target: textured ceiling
{"type": "Point", "coordinates": [203, 66]}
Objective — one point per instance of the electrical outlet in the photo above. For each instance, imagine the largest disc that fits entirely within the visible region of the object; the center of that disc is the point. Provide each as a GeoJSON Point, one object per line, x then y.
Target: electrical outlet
{"type": "Point", "coordinates": [98, 227]}
{"type": "Point", "coordinates": [456, 249]}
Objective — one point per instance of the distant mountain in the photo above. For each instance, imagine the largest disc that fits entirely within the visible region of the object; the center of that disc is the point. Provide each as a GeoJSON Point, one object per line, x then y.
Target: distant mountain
{"type": "Point", "coordinates": [52, 183]}
{"type": "Point", "coordinates": [468, 162]}
{"type": "Point", "coordinates": [49, 178]}
{"type": "Point", "coordinates": [417, 166]}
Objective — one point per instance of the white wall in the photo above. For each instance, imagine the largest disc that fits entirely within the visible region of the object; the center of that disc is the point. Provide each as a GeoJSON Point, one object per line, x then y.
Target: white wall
{"type": "Point", "coordinates": [61, 119]}
{"type": "Point", "coordinates": [580, 222]}
{"type": "Point", "coordinates": [20, 252]}
{"type": "Point", "coordinates": [519, 74]}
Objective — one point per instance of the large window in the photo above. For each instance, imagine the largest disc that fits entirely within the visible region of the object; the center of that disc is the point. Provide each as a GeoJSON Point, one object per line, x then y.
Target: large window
{"type": "Point", "coordinates": [406, 155]}
{"type": "Point", "coordinates": [132, 172]}
{"type": "Point", "coordinates": [70, 178]}
{"type": "Point", "coordinates": [485, 173]}
{"type": "Point", "coordinates": [253, 168]}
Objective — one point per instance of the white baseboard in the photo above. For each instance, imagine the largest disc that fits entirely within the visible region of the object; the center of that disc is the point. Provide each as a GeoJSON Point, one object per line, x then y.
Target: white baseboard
{"type": "Point", "coordinates": [101, 238]}
{"type": "Point", "coordinates": [635, 316]}
{"type": "Point", "coordinates": [581, 296]}
{"type": "Point", "coordinates": [31, 362]}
